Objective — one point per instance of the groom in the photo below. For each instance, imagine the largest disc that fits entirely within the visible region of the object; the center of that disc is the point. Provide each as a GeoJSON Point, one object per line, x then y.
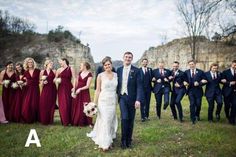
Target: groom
{"type": "Point", "coordinates": [129, 91]}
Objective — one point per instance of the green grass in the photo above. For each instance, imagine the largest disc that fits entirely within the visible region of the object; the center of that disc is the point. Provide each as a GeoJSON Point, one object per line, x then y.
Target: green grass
{"type": "Point", "coordinates": [164, 137]}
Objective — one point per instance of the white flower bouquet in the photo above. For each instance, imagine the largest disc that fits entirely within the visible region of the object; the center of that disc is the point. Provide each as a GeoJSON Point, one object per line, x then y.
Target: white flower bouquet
{"type": "Point", "coordinates": [57, 80]}
{"type": "Point", "coordinates": [90, 109]}
{"type": "Point", "coordinates": [6, 83]}
{"type": "Point", "coordinates": [14, 85]}
{"type": "Point", "coordinates": [44, 77]}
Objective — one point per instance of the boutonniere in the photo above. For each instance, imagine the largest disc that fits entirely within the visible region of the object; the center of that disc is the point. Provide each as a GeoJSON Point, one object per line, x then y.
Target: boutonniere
{"type": "Point", "coordinates": [196, 71]}
{"type": "Point", "coordinates": [177, 73]}
{"type": "Point", "coordinates": [164, 71]}
{"type": "Point", "coordinates": [131, 73]}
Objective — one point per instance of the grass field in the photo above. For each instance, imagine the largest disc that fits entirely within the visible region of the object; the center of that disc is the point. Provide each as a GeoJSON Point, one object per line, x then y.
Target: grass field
{"type": "Point", "coordinates": [164, 137]}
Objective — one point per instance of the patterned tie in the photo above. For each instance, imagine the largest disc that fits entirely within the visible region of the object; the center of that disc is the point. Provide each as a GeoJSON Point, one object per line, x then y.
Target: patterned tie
{"type": "Point", "coordinates": [193, 74]}
{"type": "Point", "coordinates": [162, 74]}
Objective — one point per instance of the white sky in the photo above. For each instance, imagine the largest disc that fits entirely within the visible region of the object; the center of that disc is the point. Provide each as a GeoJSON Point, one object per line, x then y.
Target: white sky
{"type": "Point", "coordinates": [109, 26]}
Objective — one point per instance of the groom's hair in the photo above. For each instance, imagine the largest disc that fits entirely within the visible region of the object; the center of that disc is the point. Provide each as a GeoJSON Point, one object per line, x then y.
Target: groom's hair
{"type": "Point", "coordinates": [128, 53]}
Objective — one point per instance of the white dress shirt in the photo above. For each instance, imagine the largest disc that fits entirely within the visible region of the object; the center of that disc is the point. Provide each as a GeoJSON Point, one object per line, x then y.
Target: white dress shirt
{"type": "Point", "coordinates": [125, 77]}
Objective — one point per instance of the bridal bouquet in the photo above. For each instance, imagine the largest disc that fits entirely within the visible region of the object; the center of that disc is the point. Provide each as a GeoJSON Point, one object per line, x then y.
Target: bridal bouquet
{"type": "Point", "coordinates": [14, 85]}
{"type": "Point", "coordinates": [6, 83]}
{"type": "Point", "coordinates": [90, 109]}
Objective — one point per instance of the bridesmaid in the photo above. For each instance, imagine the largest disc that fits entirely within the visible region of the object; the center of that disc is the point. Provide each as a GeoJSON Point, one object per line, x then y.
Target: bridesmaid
{"type": "Point", "coordinates": [30, 105]}
{"type": "Point", "coordinates": [65, 74]}
{"type": "Point", "coordinates": [48, 95]}
{"type": "Point", "coordinates": [8, 93]}
{"type": "Point", "coordinates": [2, 115]}
{"type": "Point", "coordinates": [82, 91]}
{"type": "Point", "coordinates": [17, 102]}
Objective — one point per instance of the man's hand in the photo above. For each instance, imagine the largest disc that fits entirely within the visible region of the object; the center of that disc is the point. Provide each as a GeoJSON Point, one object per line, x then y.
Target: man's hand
{"type": "Point", "coordinates": [159, 81]}
{"type": "Point", "coordinates": [186, 83]}
{"type": "Point", "coordinates": [177, 85]}
{"type": "Point", "coordinates": [223, 80]}
{"type": "Point", "coordinates": [137, 104]}
{"type": "Point", "coordinates": [196, 84]}
{"type": "Point", "coordinates": [204, 81]}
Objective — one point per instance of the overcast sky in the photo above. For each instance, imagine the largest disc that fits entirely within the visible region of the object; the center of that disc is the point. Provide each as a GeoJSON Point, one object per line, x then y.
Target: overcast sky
{"type": "Point", "coordinates": [109, 26]}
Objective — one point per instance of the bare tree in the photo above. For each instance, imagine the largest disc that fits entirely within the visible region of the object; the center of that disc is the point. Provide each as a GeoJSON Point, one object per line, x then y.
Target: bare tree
{"type": "Point", "coordinates": [196, 15]}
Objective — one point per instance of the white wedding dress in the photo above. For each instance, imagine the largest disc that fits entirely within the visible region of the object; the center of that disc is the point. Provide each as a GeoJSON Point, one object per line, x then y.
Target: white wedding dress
{"type": "Point", "coordinates": [105, 128]}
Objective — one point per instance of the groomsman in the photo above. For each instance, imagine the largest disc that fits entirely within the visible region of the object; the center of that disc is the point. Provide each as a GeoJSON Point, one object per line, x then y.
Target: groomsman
{"type": "Point", "coordinates": [99, 70]}
{"type": "Point", "coordinates": [178, 90]}
{"type": "Point", "coordinates": [229, 92]}
{"type": "Point", "coordinates": [161, 87]}
{"type": "Point", "coordinates": [130, 94]}
{"type": "Point", "coordinates": [146, 77]}
{"type": "Point", "coordinates": [213, 91]}
{"type": "Point", "coordinates": [195, 79]}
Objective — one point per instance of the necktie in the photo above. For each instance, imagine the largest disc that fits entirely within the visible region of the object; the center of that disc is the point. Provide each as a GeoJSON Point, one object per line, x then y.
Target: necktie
{"type": "Point", "coordinates": [193, 74]}
{"type": "Point", "coordinates": [214, 76]}
{"type": "Point", "coordinates": [162, 72]}
{"type": "Point", "coordinates": [145, 70]}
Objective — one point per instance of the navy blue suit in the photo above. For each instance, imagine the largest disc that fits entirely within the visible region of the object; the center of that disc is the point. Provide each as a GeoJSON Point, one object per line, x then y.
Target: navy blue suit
{"type": "Point", "coordinates": [147, 89]}
{"type": "Point", "coordinates": [213, 94]}
{"type": "Point", "coordinates": [160, 89]}
{"type": "Point", "coordinates": [177, 93]}
{"type": "Point", "coordinates": [127, 102]}
{"type": "Point", "coordinates": [229, 93]}
{"type": "Point", "coordinates": [195, 93]}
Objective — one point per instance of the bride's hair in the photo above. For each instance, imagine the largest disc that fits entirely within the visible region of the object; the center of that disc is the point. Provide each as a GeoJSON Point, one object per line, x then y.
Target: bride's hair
{"type": "Point", "coordinates": [106, 59]}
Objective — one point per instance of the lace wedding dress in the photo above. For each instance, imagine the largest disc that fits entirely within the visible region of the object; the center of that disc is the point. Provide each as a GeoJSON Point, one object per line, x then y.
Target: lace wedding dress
{"type": "Point", "coordinates": [105, 128]}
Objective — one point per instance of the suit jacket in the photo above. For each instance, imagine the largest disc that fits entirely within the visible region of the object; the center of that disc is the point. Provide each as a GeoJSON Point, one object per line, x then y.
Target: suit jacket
{"type": "Point", "coordinates": [146, 79]}
{"type": "Point", "coordinates": [158, 86]}
{"type": "Point", "coordinates": [134, 87]}
{"type": "Point", "coordinates": [199, 76]}
{"type": "Point", "coordinates": [227, 89]}
{"type": "Point", "coordinates": [178, 78]}
{"type": "Point", "coordinates": [212, 86]}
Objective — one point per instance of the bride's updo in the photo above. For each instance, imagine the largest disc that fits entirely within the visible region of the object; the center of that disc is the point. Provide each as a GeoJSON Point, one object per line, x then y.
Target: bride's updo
{"type": "Point", "coordinates": [106, 59]}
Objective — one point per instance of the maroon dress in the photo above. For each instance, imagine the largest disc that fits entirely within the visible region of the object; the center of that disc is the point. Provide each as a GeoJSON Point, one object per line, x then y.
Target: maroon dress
{"type": "Point", "coordinates": [17, 103]}
{"type": "Point", "coordinates": [78, 116]}
{"type": "Point", "coordinates": [8, 95]}
{"type": "Point", "coordinates": [48, 99]}
{"type": "Point", "coordinates": [64, 96]}
{"type": "Point", "coordinates": [30, 105]}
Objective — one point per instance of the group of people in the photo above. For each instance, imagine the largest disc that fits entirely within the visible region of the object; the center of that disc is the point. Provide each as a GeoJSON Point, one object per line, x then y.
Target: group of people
{"type": "Point", "coordinates": [128, 85]}
{"type": "Point", "coordinates": [174, 84]}
{"type": "Point", "coordinates": [23, 102]}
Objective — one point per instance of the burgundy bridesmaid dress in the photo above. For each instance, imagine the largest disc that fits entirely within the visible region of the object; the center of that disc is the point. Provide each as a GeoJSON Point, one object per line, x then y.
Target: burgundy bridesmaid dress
{"type": "Point", "coordinates": [78, 116]}
{"type": "Point", "coordinates": [17, 103]}
{"type": "Point", "coordinates": [64, 96]}
{"type": "Point", "coordinates": [30, 105]}
{"type": "Point", "coordinates": [48, 99]}
{"type": "Point", "coordinates": [8, 95]}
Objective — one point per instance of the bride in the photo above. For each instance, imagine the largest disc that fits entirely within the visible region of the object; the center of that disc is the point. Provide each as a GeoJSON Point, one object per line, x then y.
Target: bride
{"type": "Point", "coordinates": [105, 128]}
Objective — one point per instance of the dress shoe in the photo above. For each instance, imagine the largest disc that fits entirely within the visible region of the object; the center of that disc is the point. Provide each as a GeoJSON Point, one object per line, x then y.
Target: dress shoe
{"type": "Point", "coordinates": [142, 120]}
{"type": "Point", "coordinates": [217, 117]}
{"type": "Point", "coordinates": [123, 145]}
{"type": "Point", "coordinates": [194, 122]}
